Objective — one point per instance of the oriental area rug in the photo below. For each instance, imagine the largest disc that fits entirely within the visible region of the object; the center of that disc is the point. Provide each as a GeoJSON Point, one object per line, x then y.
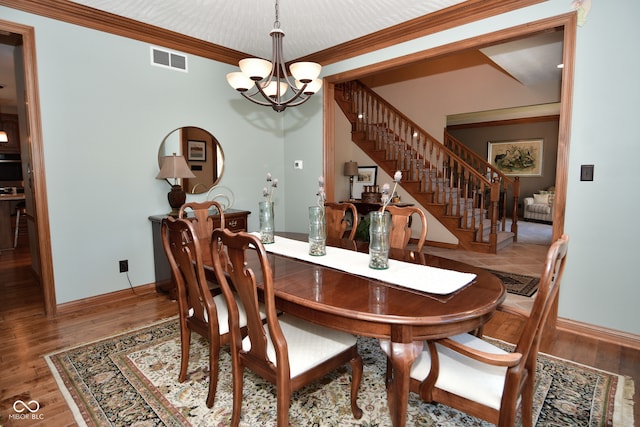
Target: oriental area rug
{"type": "Point", "coordinates": [518, 284]}
{"type": "Point", "coordinates": [131, 379]}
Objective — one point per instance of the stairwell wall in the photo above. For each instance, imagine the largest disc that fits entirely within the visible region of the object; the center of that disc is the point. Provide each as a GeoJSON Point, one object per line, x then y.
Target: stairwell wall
{"type": "Point", "coordinates": [477, 138]}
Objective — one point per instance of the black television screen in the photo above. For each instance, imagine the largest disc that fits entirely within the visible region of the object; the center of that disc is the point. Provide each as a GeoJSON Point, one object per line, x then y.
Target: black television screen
{"type": "Point", "coordinates": [10, 170]}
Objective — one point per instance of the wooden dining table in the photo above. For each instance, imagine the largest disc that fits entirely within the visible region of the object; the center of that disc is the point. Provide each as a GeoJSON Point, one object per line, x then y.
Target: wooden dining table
{"type": "Point", "coordinates": [401, 318]}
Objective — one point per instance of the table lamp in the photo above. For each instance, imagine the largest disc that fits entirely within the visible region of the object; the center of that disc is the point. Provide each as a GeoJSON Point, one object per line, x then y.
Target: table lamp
{"type": "Point", "coordinates": [175, 167]}
{"type": "Point", "coordinates": [350, 170]}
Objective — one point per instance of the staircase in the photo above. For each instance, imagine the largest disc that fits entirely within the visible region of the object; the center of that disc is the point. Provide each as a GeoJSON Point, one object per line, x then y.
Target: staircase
{"type": "Point", "coordinates": [459, 188]}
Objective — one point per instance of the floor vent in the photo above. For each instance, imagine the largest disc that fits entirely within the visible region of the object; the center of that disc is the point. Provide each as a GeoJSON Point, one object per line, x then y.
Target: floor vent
{"type": "Point", "coordinates": [168, 59]}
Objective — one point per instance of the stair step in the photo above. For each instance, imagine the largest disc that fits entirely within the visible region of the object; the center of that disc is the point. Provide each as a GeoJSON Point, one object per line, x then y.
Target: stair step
{"type": "Point", "coordinates": [505, 239]}
{"type": "Point", "coordinates": [437, 178]}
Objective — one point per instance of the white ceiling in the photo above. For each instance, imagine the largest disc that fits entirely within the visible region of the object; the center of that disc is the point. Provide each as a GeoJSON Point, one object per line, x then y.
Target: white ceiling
{"type": "Point", "coordinates": [244, 25]}
{"type": "Point", "coordinates": [310, 26]}
{"type": "Point", "coordinates": [532, 60]}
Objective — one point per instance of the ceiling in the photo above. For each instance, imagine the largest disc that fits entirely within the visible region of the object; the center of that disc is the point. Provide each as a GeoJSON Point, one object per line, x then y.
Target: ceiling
{"type": "Point", "coordinates": [244, 25]}
{"type": "Point", "coordinates": [310, 26]}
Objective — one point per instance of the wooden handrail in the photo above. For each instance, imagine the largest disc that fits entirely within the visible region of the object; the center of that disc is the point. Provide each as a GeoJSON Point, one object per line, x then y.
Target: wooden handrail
{"type": "Point", "coordinates": [481, 165]}
{"type": "Point", "coordinates": [461, 183]}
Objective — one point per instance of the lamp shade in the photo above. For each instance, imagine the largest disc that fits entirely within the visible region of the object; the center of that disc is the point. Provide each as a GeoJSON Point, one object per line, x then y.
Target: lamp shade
{"type": "Point", "coordinates": [350, 168]}
{"type": "Point", "coordinates": [255, 68]}
{"type": "Point", "coordinates": [312, 87]}
{"type": "Point", "coordinates": [174, 167]}
{"type": "Point", "coordinates": [271, 88]}
{"type": "Point", "coordinates": [3, 136]}
{"type": "Point", "coordinates": [305, 71]}
{"type": "Point", "coordinates": [239, 81]}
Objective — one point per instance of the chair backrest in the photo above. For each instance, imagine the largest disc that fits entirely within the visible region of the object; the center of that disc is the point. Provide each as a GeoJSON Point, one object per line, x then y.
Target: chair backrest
{"type": "Point", "coordinates": [203, 222]}
{"type": "Point", "coordinates": [184, 252]}
{"type": "Point", "coordinates": [401, 226]}
{"type": "Point", "coordinates": [336, 215]}
{"type": "Point", "coordinates": [241, 250]}
{"type": "Point", "coordinates": [548, 289]}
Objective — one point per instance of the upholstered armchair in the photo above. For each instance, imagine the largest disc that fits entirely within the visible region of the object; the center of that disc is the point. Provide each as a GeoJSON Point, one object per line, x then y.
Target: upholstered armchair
{"type": "Point", "coordinates": [539, 207]}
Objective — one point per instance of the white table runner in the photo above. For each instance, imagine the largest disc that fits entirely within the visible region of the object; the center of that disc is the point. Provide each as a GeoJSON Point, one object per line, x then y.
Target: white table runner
{"type": "Point", "coordinates": [413, 276]}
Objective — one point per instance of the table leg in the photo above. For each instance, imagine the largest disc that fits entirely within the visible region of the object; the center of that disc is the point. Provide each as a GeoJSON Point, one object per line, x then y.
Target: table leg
{"type": "Point", "coordinates": [401, 357]}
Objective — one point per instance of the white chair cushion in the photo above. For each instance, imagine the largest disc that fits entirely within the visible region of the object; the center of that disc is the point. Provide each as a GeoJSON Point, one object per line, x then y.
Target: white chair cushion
{"type": "Point", "coordinates": [223, 314]}
{"type": "Point", "coordinates": [309, 344]}
{"type": "Point", "coordinates": [463, 376]}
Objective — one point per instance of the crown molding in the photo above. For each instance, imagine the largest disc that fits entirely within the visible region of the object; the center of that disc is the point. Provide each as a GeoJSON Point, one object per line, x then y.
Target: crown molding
{"type": "Point", "coordinates": [74, 13]}
{"type": "Point", "coordinates": [453, 16]}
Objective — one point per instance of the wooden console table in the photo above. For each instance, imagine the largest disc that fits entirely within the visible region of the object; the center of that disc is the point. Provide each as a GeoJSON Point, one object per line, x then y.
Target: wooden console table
{"type": "Point", "coordinates": [236, 220]}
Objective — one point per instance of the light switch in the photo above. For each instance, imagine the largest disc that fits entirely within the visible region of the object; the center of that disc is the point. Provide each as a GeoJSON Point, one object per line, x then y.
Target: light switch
{"type": "Point", "coordinates": [586, 173]}
{"type": "Point", "coordinates": [297, 164]}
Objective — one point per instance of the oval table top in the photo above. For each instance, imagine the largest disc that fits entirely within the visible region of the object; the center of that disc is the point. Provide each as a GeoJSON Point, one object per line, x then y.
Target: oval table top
{"type": "Point", "coordinates": [370, 307]}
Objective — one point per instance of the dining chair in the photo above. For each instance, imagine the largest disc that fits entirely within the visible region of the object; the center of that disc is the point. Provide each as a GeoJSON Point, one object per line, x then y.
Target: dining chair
{"type": "Point", "coordinates": [198, 309]}
{"type": "Point", "coordinates": [285, 350]}
{"type": "Point", "coordinates": [203, 222]}
{"type": "Point", "coordinates": [479, 378]}
{"type": "Point", "coordinates": [337, 220]}
{"type": "Point", "coordinates": [401, 226]}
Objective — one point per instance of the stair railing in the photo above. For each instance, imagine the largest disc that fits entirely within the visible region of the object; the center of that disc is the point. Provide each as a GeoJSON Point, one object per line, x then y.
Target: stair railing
{"type": "Point", "coordinates": [433, 172]}
{"type": "Point", "coordinates": [508, 187]}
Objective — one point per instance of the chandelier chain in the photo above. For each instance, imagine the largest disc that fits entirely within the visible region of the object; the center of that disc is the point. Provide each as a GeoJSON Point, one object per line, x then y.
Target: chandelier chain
{"type": "Point", "coordinates": [276, 23]}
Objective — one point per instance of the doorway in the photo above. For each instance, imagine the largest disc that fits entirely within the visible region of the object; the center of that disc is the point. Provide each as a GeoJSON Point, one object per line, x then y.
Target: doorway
{"type": "Point", "coordinates": [27, 107]}
{"type": "Point", "coordinates": [565, 23]}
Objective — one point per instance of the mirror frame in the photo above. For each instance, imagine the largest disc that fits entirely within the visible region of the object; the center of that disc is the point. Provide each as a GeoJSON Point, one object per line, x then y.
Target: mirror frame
{"type": "Point", "coordinates": [197, 147]}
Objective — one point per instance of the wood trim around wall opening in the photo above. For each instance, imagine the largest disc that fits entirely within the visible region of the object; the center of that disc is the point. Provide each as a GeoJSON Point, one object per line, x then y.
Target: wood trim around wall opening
{"type": "Point", "coordinates": [567, 21]}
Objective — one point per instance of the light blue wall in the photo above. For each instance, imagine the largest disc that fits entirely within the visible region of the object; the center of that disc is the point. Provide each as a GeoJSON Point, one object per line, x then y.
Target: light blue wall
{"type": "Point", "coordinates": [105, 111]}
{"type": "Point", "coordinates": [303, 141]}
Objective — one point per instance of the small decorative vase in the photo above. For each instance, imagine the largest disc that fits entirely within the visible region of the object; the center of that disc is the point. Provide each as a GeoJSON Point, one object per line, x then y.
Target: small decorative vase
{"type": "Point", "coordinates": [266, 222]}
{"type": "Point", "coordinates": [379, 226]}
{"type": "Point", "coordinates": [317, 231]}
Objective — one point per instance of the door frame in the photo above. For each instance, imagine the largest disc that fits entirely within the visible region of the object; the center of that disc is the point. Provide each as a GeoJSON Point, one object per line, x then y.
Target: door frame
{"type": "Point", "coordinates": [566, 21]}
{"type": "Point", "coordinates": [36, 171]}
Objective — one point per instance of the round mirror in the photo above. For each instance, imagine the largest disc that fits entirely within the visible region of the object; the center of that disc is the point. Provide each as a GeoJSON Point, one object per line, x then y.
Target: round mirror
{"type": "Point", "coordinates": [203, 154]}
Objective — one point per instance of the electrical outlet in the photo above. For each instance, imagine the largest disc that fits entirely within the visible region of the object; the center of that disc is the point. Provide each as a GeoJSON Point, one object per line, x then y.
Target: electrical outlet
{"type": "Point", "coordinates": [124, 266]}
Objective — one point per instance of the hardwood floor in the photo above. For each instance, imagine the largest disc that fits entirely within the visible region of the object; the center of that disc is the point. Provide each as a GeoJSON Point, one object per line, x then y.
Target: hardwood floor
{"type": "Point", "coordinates": [27, 335]}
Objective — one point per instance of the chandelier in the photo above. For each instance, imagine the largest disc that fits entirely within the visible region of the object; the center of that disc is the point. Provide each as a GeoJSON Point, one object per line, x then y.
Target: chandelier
{"type": "Point", "coordinates": [270, 79]}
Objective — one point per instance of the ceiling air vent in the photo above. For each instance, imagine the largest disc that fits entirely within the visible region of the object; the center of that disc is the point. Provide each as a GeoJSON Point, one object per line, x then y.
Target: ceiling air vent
{"type": "Point", "coordinates": [168, 59]}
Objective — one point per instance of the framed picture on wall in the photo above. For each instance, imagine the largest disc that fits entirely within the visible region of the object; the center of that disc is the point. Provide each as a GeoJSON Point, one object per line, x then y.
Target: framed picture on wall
{"type": "Point", "coordinates": [366, 176]}
{"type": "Point", "coordinates": [196, 151]}
{"type": "Point", "coordinates": [517, 158]}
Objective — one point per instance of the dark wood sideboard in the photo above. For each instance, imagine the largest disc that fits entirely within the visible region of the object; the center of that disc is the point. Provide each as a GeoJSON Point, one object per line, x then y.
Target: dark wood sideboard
{"type": "Point", "coordinates": [364, 208]}
{"type": "Point", "coordinates": [236, 220]}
